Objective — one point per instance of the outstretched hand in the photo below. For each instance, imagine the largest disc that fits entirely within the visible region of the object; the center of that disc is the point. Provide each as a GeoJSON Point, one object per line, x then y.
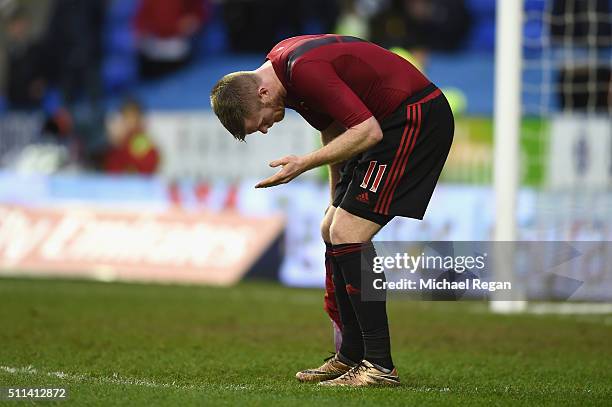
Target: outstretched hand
{"type": "Point", "coordinates": [292, 166]}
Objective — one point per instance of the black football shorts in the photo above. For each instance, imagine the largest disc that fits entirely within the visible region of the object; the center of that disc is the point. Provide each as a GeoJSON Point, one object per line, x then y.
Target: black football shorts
{"type": "Point", "coordinates": [397, 176]}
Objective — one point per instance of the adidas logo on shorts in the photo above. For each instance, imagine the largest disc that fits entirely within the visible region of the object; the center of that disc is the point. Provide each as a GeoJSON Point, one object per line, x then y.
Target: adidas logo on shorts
{"type": "Point", "coordinates": [363, 197]}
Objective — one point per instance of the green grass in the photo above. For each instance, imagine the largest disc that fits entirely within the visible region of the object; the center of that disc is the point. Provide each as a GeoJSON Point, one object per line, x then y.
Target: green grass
{"type": "Point", "coordinates": [121, 344]}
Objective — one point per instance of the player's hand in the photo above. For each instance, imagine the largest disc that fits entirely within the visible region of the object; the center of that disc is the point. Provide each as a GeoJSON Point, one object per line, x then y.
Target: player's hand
{"type": "Point", "coordinates": [292, 166]}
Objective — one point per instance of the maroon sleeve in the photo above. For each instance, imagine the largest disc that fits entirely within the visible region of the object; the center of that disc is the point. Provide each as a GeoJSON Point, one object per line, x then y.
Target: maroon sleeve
{"type": "Point", "coordinates": [317, 83]}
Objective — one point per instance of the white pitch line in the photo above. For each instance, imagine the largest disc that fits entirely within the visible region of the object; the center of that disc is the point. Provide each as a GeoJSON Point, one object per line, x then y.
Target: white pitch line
{"type": "Point", "coordinates": [115, 379]}
{"type": "Point", "coordinates": [569, 308]}
{"type": "Point", "coordinates": [130, 381]}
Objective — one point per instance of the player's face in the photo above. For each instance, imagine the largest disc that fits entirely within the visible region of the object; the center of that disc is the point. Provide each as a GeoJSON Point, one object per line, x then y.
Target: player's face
{"type": "Point", "coordinates": [260, 121]}
{"type": "Point", "coordinates": [271, 112]}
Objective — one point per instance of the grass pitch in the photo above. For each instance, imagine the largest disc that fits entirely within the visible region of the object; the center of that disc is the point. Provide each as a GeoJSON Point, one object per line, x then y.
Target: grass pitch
{"type": "Point", "coordinates": [122, 344]}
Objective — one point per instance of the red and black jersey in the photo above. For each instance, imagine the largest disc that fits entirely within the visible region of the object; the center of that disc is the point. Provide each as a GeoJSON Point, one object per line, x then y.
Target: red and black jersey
{"type": "Point", "coordinates": [332, 77]}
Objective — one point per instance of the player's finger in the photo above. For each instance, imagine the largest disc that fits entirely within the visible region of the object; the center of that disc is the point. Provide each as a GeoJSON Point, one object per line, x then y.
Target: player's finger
{"type": "Point", "coordinates": [275, 163]}
{"type": "Point", "coordinates": [262, 184]}
{"type": "Point", "coordinates": [268, 182]}
{"type": "Point", "coordinates": [280, 161]}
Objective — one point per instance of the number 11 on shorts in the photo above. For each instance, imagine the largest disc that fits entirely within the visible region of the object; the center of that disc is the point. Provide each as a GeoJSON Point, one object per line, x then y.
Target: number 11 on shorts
{"type": "Point", "coordinates": [377, 178]}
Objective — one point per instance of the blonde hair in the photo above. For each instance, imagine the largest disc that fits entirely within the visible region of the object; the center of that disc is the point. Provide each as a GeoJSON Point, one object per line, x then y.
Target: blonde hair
{"type": "Point", "coordinates": [234, 98]}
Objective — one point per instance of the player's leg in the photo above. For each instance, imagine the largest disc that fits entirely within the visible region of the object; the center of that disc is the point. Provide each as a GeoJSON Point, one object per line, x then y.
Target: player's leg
{"type": "Point", "coordinates": [349, 228]}
{"type": "Point", "coordinates": [351, 348]}
{"type": "Point", "coordinates": [351, 237]}
{"type": "Point", "coordinates": [340, 178]}
{"type": "Point", "coordinates": [330, 302]}
{"type": "Point", "coordinates": [339, 308]}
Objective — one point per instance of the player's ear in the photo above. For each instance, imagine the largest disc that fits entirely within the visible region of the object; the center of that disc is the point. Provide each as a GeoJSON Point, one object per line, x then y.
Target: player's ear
{"type": "Point", "coordinates": [263, 93]}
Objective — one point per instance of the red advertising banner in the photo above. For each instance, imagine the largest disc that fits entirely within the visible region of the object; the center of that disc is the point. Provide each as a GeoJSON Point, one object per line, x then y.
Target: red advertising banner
{"type": "Point", "coordinates": [174, 246]}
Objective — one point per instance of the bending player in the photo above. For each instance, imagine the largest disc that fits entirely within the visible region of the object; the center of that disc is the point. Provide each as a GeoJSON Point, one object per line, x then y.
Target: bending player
{"type": "Point", "coordinates": [386, 130]}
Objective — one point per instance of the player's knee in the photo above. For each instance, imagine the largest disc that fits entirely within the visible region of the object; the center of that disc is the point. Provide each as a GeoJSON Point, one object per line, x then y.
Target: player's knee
{"type": "Point", "coordinates": [326, 223]}
{"type": "Point", "coordinates": [325, 227]}
{"type": "Point", "coordinates": [339, 234]}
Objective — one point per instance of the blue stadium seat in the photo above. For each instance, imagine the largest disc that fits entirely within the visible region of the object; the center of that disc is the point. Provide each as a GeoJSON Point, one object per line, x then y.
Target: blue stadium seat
{"type": "Point", "coordinates": [213, 40]}
{"type": "Point", "coordinates": [121, 11]}
{"type": "Point", "coordinates": [119, 72]}
{"type": "Point", "coordinates": [52, 101]}
{"type": "Point", "coordinates": [535, 5]}
{"type": "Point", "coordinates": [119, 40]}
{"type": "Point", "coordinates": [482, 36]}
{"type": "Point", "coordinates": [480, 8]}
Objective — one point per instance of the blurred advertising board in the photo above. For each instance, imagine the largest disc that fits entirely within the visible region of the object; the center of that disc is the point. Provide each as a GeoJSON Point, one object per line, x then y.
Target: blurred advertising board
{"type": "Point", "coordinates": [171, 246]}
{"type": "Point", "coordinates": [580, 152]}
{"type": "Point", "coordinates": [455, 213]}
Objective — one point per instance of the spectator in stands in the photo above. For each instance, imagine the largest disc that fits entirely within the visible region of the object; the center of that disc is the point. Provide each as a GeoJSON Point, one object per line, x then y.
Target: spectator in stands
{"type": "Point", "coordinates": [353, 20]}
{"type": "Point", "coordinates": [74, 47]}
{"type": "Point", "coordinates": [165, 31]}
{"type": "Point", "coordinates": [256, 25]}
{"type": "Point", "coordinates": [24, 78]}
{"type": "Point", "coordinates": [73, 58]}
{"type": "Point", "coordinates": [436, 25]}
{"type": "Point", "coordinates": [132, 150]}
{"type": "Point", "coordinates": [36, 13]}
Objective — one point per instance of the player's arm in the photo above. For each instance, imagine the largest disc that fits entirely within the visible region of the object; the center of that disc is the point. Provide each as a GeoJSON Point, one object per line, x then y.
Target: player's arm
{"type": "Point", "coordinates": [353, 141]}
{"type": "Point", "coordinates": [327, 135]}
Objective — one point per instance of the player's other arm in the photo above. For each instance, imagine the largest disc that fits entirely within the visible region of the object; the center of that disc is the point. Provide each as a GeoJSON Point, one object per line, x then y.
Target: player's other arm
{"type": "Point", "coordinates": [351, 142]}
{"type": "Point", "coordinates": [327, 135]}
